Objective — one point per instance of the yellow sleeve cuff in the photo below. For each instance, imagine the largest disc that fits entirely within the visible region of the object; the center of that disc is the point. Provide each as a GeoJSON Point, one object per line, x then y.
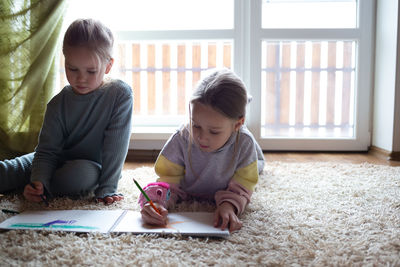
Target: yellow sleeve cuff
{"type": "Point", "coordinates": [247, 176]}
{"type": "Point", "coordinates": [168, 171]}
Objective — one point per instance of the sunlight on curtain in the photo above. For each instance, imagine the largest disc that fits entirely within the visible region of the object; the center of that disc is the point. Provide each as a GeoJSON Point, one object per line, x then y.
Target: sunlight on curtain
{"type": "Point", "coordinates": [30, 32]}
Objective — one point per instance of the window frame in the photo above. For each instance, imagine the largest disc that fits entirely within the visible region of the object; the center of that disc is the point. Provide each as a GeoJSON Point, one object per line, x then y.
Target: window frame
{"type": "Point", "coordinates": [140, 139]}
{"type": "Point", "coordinates": [247, 36]}
{"type": "Point", "coordinates": [363, 35]}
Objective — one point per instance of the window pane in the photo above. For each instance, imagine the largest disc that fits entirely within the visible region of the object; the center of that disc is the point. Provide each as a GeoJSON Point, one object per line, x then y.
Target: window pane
{"type": "Point", "coordinates": [308, 89]}
{"type": "Point", "coordinates": [163, 74]}
{"type": "Point", "coordinates": [309, 14]}
{"type": "Point", "coordinates": [138, 15]}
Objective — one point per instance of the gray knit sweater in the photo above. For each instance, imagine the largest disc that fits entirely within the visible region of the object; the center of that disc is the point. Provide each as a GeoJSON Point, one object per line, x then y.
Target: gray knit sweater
{"type": "Point", "coordinates": [95, 127]}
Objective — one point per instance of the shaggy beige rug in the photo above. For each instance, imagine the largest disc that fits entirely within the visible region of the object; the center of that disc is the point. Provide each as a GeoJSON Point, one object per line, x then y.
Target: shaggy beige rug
{"type": "Point", "coordinates": [313, 214]}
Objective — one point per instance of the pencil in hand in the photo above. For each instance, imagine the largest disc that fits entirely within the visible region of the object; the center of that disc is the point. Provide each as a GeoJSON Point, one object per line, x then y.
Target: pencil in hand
{"type": "Point", "coordinates": [147, 197]}
{"type": "Point", "coordinates": [41, 196]}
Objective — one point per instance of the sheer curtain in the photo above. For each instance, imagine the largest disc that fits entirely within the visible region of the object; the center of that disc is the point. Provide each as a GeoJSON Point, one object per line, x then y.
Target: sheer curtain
{"type": "Point", "coordinates": [29, 45]}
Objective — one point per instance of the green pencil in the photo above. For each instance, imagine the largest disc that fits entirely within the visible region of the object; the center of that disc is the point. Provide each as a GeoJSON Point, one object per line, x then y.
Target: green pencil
{"type": "Point", "coordinates": [9, 211]}
{"type": "Point", "coordinates": [147, 197]}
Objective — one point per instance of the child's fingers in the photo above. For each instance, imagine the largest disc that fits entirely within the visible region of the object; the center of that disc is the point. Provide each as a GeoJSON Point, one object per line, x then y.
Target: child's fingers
{"type": "Point", "coordinates": [234, 224]}
{"type": "Point", "coordinates": [151, 220]}
{"type": "Point", "coordinates": [150, 216]}
{"type": "Point", "coordinates": [227, 220]}
{"type": "Point", "coordinates": [37, 187]}
{"type": "Point", "coordinates": [118, 197]}
{"type": "Point", "coordinates": [164, 211]}
{"type": "Point", "coordinates": [32, 194]}
{"type": "Point", "coordinates": [224, 223]}
{"type": "Point", "coordinates": [221, 219]}
{"type": "Point", "coordinates": [110, 199]}
{"type": "Point", "coordinates": [32, 197]}
{"type": "Point", "coordinates": [35, 198]}
{"type": "Point", "coordinates": [217, 219]}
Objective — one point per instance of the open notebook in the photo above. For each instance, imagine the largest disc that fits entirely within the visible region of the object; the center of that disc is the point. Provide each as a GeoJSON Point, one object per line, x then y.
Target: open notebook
{"type": "Point", "coordinates": [111, 221]}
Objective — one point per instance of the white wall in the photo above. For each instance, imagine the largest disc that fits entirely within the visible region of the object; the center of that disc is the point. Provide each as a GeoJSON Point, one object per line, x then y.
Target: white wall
{"type": "Point", "coordinates": [385, 134]}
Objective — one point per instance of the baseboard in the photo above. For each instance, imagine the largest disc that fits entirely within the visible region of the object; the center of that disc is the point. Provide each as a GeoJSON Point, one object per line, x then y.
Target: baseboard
{"type": "Point", "coordinates": [151, 155]}
{"type": "Point", "coordinates": [142, 155]}
{"type": "Point", "coordinates": [395, 155]}
{"type": "Point", "coordinates": [383, 153]}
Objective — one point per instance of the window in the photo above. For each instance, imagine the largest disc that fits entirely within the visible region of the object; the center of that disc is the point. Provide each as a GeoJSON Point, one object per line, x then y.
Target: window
{"type": "Point", "coordinates": [308, 88]}
{"type": "Point", "coordinates": [162, 52]}
{"type": "Point", "coordinates": [311, 71]}
{"type": "Point", "coordinates": [306, 63]}
{"type": "Point", "coordinates": [311, 14]}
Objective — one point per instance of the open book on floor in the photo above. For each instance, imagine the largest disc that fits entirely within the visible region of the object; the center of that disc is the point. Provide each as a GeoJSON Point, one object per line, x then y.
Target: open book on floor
{"type": "Point", "coordinates": [112, 221]}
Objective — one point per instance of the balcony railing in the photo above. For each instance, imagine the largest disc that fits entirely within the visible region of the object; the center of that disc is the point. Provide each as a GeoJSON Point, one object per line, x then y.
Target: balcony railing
{"type": "Point", "coordinates": [163, 75]}
{"type": "Point", "coordinates": [307, 87]}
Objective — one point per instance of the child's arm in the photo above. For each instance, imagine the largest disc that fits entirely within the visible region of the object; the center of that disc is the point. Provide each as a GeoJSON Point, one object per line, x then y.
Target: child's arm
{"type": "Point", "coordinates": [240, 188]}
{"type": "Point", "coordinates": [172, 174]}
{"type": "Point", "coordinates": [48, 150]}
{"type": "Point", "coordinates": [232, 201]}
{"type": "Point", "coordinates": [166, 190]}
{"type": "Point", "coordinates": [163, 193]}
{"type": "Point", "coordinates": [115, 146]}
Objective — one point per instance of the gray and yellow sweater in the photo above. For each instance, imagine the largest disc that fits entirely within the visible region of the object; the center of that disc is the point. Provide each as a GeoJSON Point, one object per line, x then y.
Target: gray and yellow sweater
{"type": "Point", "coordinates": [228, 174]}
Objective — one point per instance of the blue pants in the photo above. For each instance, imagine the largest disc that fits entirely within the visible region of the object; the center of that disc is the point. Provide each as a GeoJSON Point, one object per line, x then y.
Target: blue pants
{"type": "Point", "coordinates": [73, 178]}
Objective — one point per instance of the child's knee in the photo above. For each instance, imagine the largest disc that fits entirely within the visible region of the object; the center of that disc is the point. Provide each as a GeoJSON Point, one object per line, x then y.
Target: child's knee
{"type": "Point", "coordinates": [76, 177]}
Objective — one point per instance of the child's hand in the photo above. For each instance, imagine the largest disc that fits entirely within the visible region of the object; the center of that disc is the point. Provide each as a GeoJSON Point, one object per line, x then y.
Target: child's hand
{"type": "Point", "coordinates": [110, 199]}
{"type": "Point", "coordinates": [225, 216]}
{"type": "Point", "coordinates": [33, 193]}
{"type": "Point", "coordinates": [150, 216]}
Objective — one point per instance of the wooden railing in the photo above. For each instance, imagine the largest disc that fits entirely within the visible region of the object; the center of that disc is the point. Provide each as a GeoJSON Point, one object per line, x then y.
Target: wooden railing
{"type": "Point", "coordinates": [304, 84]}
{"type": "Point", "coordinates": [163, 74]}
{"type": "Point", "coordinates": [308, 85]}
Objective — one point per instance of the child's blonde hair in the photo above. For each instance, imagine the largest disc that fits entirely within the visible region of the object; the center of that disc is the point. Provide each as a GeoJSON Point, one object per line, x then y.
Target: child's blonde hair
{"type": "Point", "coordinates": [91, 34]}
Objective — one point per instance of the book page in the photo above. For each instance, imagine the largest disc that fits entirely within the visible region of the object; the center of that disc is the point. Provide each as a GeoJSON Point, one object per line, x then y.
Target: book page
{"type": "Point", "coordinates": [185, 223]}
{"type": "Point", "coordinates": [105, 221]}
{"type": "Point", "coordinates": [64, 220]}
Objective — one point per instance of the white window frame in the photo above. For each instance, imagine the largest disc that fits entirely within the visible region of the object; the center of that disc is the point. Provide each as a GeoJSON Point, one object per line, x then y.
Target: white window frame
{"type": "Point", "coordinates": [363, 34]}
{"type": "Point", "coordinates": [247, 36]}
{"type": "Point", "coordinates": [140, 139]}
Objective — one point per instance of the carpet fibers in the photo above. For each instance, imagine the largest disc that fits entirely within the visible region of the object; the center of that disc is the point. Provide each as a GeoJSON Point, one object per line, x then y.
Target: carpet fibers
{"type": "Point", "coordinates": [301, 214]}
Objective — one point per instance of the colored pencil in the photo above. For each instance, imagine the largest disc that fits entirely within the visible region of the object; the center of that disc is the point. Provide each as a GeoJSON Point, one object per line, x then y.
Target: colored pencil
{"type": "Point", "coordinates": [41, 196]}
{"type": "Point", "coordinates": [9, 211]}
{"type": "Point", "coordinates": [147, 197]}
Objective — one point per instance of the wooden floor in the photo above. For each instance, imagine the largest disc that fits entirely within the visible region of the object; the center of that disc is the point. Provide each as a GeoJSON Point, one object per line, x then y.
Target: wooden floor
{"type": "Point", "coordinates": [303, 157]}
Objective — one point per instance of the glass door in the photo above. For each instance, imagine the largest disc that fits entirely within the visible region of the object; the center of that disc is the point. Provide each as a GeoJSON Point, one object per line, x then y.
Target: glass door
{"type": "Point", "coordinates": [312, 63]}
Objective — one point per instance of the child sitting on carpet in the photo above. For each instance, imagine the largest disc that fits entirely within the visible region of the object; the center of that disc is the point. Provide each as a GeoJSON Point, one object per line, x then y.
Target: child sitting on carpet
{"type": "Point", "coordinates": [214, 157]}
{"type": "Point", "coordinates": [85, 134]}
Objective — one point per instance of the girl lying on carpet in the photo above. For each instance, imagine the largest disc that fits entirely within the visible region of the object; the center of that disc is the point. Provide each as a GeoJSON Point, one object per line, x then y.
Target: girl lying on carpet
{"type": "Point", "coordinates": [214, 157]}
{"type": "Point", "coordinates": [84, 137]}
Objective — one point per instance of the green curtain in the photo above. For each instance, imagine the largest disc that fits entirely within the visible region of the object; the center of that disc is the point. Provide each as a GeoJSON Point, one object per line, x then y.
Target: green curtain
{"type": "Point", "coordinates": [29, 48]}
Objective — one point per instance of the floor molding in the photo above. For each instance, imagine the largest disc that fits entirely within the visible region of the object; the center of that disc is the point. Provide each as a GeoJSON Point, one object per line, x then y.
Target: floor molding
{"type": "Point", "coordinates": [142, 155]}
{"type": "Point", "coordinates": [395, 155]}
{"type": "Point", "coordinates": [383, 153]}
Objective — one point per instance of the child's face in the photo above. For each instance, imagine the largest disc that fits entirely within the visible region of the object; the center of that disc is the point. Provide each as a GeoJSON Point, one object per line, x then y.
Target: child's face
{"type": "Point", "coordinates": [211, 130]}
{"type": "Point", "coordinates": [84, 70]}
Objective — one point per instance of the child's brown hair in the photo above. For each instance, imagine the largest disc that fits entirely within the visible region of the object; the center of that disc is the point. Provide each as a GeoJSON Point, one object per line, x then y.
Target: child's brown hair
{"type": "Point", "coordinates": [225, 92]}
